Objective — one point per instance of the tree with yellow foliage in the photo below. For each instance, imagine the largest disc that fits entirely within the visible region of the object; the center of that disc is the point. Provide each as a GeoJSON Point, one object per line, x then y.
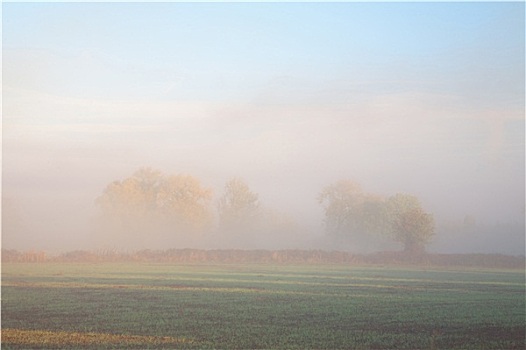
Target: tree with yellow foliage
{"type": "Point", "coordinates": [149, 200]}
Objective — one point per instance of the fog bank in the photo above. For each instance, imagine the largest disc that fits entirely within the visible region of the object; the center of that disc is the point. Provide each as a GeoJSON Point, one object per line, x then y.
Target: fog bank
{"type": "Point", "coordinates": [418, 98]}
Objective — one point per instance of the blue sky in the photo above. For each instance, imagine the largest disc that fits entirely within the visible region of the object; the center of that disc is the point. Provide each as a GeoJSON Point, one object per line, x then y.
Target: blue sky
{"type": "Point", "coordinates": [425, 98]}
{"type": "Point", "coordinates": [231, 46]}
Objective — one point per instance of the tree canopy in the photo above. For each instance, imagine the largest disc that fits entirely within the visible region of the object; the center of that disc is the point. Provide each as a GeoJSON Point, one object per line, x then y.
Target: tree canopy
{"type": "Point", "coordinates": [352, 215]}
{"type": "Point", "coordinates": [150, 204]}
{"type": "Point", "coordinates": [349, 211]}
{"type": "Point", "coordinates": [149, 199]}
{"type": "Point", "coordinates": [238, 207]}
{"type": "Point", "coordinates": [410, 224]}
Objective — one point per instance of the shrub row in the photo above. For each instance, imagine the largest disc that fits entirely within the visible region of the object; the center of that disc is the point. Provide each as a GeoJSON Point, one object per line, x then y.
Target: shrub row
{"type": "Point", "coordinates": [236, 256]}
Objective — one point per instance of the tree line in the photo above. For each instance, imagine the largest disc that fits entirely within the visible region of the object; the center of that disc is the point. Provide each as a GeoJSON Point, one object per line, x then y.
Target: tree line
{"type": "Point", "coordinates": [149, 201]}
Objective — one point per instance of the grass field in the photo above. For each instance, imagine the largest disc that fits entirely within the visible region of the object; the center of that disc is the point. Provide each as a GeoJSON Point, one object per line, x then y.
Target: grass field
{"type": "Point", "coordinates": [139, 305]}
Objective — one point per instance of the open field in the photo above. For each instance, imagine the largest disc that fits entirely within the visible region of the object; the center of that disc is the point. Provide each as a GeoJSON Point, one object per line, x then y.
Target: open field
{"type": "Point", "coordinates": [145, 305]}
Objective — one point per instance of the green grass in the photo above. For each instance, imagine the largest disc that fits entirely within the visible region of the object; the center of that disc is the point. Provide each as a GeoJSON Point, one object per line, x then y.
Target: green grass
{"type": "Point", "coordinates": [116, 305]}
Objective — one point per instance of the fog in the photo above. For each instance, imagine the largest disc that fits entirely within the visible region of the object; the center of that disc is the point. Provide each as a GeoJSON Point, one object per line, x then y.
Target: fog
{"type": "Point", "coordinates": [288, 97]}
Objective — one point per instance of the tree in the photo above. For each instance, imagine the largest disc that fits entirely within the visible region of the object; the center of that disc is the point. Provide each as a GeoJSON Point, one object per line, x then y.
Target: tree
{"type": "Point", "coordinates": [129, 204]}
{"type": "Point", "coordinates": [131, 200]}
{"type": "Point", "coordinates": [149, 202]}
{"type": "Point", "coordinates": [353, 216]}
{"type": "Point", "coordinates": [410, 224]}
{"type": "Point", "coordinates": [238, 207]}
{"type": "Point", "coordinates": [342, 202]}
{"type": "Point", "coordinates": [351, 213]}
{"type": "Point", "coordinates": [182, 199]}
{"type": "Point", "coordinates": [401, 203]}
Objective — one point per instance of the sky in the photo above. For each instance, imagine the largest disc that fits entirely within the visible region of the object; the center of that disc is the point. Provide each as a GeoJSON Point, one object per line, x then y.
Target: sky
{"type": "Point", "coordinates": [420, 98]}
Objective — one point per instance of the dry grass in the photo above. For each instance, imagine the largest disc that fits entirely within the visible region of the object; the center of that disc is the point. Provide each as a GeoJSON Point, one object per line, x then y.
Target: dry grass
{"type": "Point", "coordinates": [39, 338]}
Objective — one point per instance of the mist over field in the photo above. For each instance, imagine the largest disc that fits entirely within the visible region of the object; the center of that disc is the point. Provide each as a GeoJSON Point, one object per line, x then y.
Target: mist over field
{"type": "Point", "coordinates": [425, 99]}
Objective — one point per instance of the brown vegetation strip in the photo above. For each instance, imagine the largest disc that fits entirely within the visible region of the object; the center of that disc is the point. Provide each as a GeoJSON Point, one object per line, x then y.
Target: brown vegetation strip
{"type": "Point", "coordinates": [35, 338]}
{"type": "Point", "coordinates": [294, 256]}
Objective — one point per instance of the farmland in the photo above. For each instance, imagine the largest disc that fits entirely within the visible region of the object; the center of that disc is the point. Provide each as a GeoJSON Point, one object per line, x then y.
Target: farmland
{"type": "Point", "coordinates": [157, 305]}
